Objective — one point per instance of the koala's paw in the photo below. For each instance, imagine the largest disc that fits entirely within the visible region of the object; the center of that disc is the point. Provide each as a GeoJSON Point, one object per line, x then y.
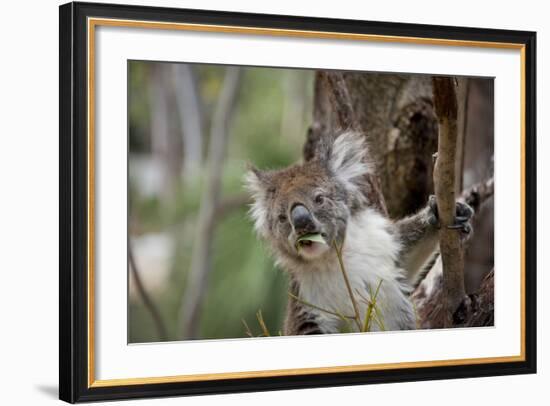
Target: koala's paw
{"type": "Point", "coordinates": [463, 215]}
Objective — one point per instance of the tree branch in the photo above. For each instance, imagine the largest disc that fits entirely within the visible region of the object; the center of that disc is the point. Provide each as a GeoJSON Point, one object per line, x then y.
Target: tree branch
{"type": "Point", "coordinates": [462, 95]}
{"type": "Point", "coordinates": [452, 256]}
{"type": "Point", "coordinates": [147, 301]}
{"type": "Point", "coordinates": [164, 145]}
{"type": "Point", "coordinates": [189, 107]}
{"type": "Point", "coordinates": [197, 279]}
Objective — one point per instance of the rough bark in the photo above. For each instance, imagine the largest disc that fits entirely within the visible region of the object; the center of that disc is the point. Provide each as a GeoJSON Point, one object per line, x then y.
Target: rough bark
{"type": "Point", "coordinates": [482, 310]}
{"type": "Point", "coordinates": [452, 254]}
{"type": "Point", "coordinates": [197, 278]}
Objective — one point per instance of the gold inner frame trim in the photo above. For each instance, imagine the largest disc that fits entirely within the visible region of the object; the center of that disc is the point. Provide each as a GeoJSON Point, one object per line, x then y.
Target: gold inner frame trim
{"type": "Point", "coordinates": [94, 22]}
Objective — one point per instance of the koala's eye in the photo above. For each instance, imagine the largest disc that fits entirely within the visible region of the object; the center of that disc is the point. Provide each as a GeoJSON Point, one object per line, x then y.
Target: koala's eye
{"type": "Point", "coordinates": [282, 218]}
{"type": "Point", "coordinates": [319, 199]}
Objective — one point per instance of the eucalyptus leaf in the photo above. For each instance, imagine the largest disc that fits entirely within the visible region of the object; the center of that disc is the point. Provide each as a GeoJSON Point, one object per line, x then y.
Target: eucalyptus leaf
{"type": "Point", "coordinates": [310, 237]}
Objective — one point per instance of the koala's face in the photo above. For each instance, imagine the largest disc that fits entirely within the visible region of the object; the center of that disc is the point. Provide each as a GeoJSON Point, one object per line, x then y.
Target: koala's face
{"type": "Point", "coordinates": [300, 200]}
{"type": "Point", "coordinates": [317, 197]}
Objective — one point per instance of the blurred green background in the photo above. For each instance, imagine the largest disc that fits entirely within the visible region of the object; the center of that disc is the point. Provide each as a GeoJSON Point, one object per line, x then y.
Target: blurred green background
{"type": "Point", "coordinates": [175, 110]}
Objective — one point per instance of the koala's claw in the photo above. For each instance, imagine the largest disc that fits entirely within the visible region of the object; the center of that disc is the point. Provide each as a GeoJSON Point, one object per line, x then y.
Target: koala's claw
{"type": "Point", "coordinates": [463, 214]}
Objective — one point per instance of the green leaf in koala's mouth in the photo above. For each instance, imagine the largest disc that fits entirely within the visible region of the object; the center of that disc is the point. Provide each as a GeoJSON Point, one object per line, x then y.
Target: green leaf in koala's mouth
{"type": "Point", "coordinates": [307, 239]}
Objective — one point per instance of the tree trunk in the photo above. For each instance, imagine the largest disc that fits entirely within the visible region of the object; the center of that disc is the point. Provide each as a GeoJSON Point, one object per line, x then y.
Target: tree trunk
{"type": "Point", "coordinates": [166, 144]}
{"type": "Point", "coordinates": [189, 106]}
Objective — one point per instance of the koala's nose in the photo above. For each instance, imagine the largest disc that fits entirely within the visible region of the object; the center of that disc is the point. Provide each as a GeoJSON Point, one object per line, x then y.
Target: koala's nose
{"type": "Point", "coordinates": [301, 219]}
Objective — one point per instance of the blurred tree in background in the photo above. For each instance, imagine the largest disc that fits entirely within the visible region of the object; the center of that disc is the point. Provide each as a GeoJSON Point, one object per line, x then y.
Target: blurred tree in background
{"type": "Point", "coordinates": [175, 113]}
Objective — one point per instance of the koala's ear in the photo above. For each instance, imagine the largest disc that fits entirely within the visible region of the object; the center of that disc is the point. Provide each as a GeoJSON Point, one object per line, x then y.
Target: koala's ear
{"type": "Point", "coordinates": [256, 181]}
{"type": "Point", "coordinates": [347, 158]}
{"type": "Point", "coordinates": [258, 184]}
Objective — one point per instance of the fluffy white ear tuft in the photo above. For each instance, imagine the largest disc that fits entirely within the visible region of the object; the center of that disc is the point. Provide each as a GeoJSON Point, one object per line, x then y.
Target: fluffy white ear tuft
{"type": "Point", "coordinates": [255, 183]}
{"type": "Point", "coordinates": [348, 158]}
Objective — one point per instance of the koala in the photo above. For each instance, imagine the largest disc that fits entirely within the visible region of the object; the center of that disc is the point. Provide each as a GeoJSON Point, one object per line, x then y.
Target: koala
{"type": "Point", "coordinates": [325, 196]}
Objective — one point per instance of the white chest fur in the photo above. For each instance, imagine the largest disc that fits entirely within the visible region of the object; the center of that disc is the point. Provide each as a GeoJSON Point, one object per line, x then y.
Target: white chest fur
{"type": "Point", "coordinates": [370, 256]}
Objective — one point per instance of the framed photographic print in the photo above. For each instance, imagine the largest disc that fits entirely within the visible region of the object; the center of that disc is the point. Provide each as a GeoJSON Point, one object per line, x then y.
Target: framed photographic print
{"type": "Point", "coordinates": [257, 202]}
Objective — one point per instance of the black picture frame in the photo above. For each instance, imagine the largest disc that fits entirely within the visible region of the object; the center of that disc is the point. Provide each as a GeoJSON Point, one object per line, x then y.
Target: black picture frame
{"type": "Point", "coordinates": [74, 200]}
